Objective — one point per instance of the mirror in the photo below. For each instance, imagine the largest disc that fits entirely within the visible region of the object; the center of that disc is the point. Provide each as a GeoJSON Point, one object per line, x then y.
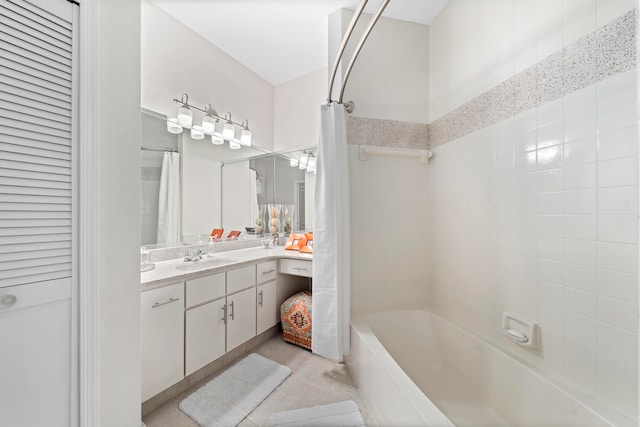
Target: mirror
{"type": "Point", "coordinates": [220, 187]}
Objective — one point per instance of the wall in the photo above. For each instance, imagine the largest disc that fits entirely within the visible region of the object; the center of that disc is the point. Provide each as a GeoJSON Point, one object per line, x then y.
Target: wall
{"type": "Point", "coordinates": [533, 184]}
{"type": "Point", "coordinates": [296, 111]}
{"type": "Point", "coordinates": [118, 196]}
{"type": "Point", "coordinates": [388, 216]}
{"type": "Point", "coordinates": [388, 80]}
{"type": "Point", "coordinates": [236, 197]}
{"type": "Point", "coordinates": [176, 60]}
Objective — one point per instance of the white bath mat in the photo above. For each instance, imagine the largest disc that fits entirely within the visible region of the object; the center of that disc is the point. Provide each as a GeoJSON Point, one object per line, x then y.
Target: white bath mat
{"type": "Point", "coordinates": [228, 398]}
{"type": "Point", "coordinates": [341, 414]}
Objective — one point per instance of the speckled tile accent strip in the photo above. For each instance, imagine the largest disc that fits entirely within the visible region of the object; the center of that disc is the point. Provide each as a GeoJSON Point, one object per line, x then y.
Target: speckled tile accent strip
{"type": "Point", "coordinates": [387, 133]}
{"type": "Point", "coordinates": [608, 51]}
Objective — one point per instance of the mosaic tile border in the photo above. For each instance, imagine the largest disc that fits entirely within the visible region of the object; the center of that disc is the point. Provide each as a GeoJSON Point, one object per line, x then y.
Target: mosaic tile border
{"type": "Point", "coordinates": [608, 51]}
{"type": "Point", "coordinates": [387, 133]}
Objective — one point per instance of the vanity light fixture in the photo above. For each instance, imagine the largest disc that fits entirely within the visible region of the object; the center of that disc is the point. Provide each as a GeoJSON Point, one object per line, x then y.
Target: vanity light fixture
{"type": "Point", "coordinates": [228, 130]}
{"type": "Point", "coordinates": [304, 158]}
{"type": "Point", "coordinates": [185, 115]}
{"type": "Point", "coordinates": [293, 163]}
{"type": "Point", "coordinates": [210, 125]}
{"type": "Point", "coordinates": [245, 134]}
{"type": "Point", "coordinates": [311, 163]}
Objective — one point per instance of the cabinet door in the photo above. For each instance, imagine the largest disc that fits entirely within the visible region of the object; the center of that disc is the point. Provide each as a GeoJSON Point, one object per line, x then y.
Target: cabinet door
{"type": "Point", "coordinates": [205, 335]}
{"type": "Point", "coordinates": [241, 317]}
{"type": "Point", "coordinates": [266, 310]}
{"type": "Point", "coordinates": [161, 338]}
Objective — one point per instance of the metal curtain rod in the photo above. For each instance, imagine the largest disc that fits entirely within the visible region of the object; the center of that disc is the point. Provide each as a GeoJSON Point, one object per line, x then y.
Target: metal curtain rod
{"type": "Point", "coordinates": [345, 40]}
{"type": "Point", "coordinates": [372, 23]}
{"type": "Point", "coordinates": [171, 150]}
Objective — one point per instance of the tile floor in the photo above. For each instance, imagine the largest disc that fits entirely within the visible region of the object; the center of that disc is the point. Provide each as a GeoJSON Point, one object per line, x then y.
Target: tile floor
{"type": "Point", "coordinates": [314, 381]}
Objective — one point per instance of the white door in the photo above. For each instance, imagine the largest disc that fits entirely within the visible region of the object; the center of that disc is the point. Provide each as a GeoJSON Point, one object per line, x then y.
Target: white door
{"type": "Point", "coordinates": [241, 317]}
{"type": "Point", "coordinates": [205, 335]}
{"type": "Point", "coordinates": [266, 310]}
{"type": "Point", "coordinates": [38, 277]}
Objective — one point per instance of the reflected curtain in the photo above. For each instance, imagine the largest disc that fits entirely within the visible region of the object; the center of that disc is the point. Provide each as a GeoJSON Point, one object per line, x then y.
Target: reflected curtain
{"type": "Point", "coordinates": [253, 193]}
{"type": "Point", "coordinates": [169, 200]}
{"type": "Point", "coordinates": [331, 247]}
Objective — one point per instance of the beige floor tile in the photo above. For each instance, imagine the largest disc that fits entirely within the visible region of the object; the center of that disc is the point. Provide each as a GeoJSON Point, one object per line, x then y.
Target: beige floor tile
{"type": "Point", "coordinates": [314, 381]}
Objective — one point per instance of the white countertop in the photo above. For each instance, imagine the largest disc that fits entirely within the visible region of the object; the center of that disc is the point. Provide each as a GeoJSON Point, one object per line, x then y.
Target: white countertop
{"type": "Point", "coordinates": [167, 272]}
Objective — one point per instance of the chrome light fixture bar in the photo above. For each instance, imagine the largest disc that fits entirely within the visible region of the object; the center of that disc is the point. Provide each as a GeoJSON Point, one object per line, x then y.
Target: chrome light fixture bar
{"type": "Point", "coordinates": [220, 128]}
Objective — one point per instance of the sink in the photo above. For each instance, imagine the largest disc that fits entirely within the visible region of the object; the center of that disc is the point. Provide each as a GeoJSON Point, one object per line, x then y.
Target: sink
{"type": "Point", "coordinates": [203, 263]}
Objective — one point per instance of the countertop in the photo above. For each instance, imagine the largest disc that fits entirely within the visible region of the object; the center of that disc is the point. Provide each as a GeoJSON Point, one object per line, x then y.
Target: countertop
{"type": "Point", "coordinates": [175, 271]}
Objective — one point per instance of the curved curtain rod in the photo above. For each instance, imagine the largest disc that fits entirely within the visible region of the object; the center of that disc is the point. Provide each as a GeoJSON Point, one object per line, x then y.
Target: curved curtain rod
{"type": "Point", "coordinates": [372, 23]}
{"type": "Point", "coordinates": [345, 40]}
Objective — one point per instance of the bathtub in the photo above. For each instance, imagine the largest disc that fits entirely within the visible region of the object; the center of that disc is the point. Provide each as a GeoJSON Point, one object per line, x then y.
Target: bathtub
{"type": "Point", "coordinates": [414, 368]}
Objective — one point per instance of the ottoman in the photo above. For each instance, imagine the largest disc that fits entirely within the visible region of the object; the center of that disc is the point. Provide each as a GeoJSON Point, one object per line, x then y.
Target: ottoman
{"type": "Point", "coordinates": [295, 314]}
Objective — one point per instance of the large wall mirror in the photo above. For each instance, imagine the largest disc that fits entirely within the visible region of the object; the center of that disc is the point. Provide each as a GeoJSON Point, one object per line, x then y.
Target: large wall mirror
{"type": "Point", "coordinates": [219, 187]}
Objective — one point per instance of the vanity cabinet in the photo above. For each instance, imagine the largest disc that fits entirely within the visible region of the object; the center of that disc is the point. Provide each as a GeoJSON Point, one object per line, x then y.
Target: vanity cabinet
{"type": "Point", "coordinates": [241, 317]}
{"type": "Point", "coordinates": [266, 306]}
{"type": "Point", "coordinates": [162, 338]}
{"type": "Point", "coordinates": [205, 330]}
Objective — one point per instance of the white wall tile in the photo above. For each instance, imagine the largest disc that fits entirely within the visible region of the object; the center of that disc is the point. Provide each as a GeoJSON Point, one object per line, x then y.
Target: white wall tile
{"type": "Point", "coordinates": [618, 341]}
{"type": "Point", "coordinates": [580, 277]}
{"type": "Point", "coordinates": [579, 19]}
{"type": "Point", "coordinates": [549, 180]}
{"type": "Point", "coordinates": [618, 398]}
{"type": "Point", "coordinates": [608, 10]}
{"type": "Point", "coordinates": [548, 27]}
{"type": "Point", "coordinates": [580, 227]}
{"type": "Point", "coordinates": [620, 143]}
{"type": "Point", "coordinates": [580, 112]}
{"type": "Point", "coordinates": [581, 328]}
{"type": "Point", "coordinates": [618, 370]}
{"type": "Point", "coordinates": [580, 202]}
{"type": "Point", "coordinates": [551, 317]}
{"type": "Point", "coordinates": [618, 172]}
{"type": "Point", "coordinates": [618, 228]}
{"type": "Point", "coordinates": [551, 156]}
{"type": "Point", "coordinates": [580, 177]}
{"type": "Point", "coordinates": [550, 271]}
{"type": "Point", "coordinates": [550, 225]}
{"type": "Point", "coordinates": [618, 200]}
{"type": "Point", "coordinates": [618, 256]}
{"type": "Point", "coordinates": [581, 303]}
{"type": "Point", "coordinates": [550, 203]}
{"type": "Point", "coordinates": [549, 248]}
{"type": "Point", "coordinates": [615, 284]}
{"type": "Point", "coordinates": [581, 252]}
{"type": "Point", "coordinates": [581, 354]}
{"type": "Point", "coordinates": [551, 295]}
{"type": "Point", "coordinates": [618, 313]}
{"type": "Point", "coordinates": [581, 150]}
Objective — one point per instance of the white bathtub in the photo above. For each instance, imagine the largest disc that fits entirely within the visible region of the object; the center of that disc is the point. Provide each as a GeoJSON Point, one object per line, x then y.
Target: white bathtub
{"type": "Point", "coordinates": [414, 368]}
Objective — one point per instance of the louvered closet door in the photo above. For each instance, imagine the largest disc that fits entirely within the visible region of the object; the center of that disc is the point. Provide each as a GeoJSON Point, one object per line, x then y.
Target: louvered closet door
{"type": "Point", "coordinates": [36, 212]}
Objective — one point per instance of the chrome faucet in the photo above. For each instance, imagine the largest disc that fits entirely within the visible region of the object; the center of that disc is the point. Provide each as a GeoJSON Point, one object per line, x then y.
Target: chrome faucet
{"type": "Point", "coordinates": [195, 256]}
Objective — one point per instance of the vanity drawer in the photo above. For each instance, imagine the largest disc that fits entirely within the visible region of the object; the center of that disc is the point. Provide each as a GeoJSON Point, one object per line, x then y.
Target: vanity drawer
{"type": "Point", "coordinates": [205, 289]}
{"type": "Point", "coordinates": [241, 278]}
{"type": "Point", "coordinates": [267, 271]}
{"type": "Point", "coordinates": [296, 267]}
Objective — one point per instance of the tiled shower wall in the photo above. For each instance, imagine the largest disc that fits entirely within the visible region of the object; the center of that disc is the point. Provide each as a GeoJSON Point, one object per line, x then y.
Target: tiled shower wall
{"type": "Point", "coordinates": [533, 209]}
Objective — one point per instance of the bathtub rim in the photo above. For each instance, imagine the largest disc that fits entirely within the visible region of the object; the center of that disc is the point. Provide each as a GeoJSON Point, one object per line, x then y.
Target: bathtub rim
{"type": "Point", "coordinates": [416, 397]}
{"type": "Point", "coordinates": [608, 415]}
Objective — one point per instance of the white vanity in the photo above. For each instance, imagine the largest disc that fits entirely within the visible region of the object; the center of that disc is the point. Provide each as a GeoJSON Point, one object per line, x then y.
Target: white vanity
{"type": "Point", "coordinates": [193, 314]}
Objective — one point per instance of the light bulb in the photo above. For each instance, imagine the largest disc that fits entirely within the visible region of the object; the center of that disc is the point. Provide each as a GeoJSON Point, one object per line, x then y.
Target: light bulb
{"type": "Point", "coordinates": [173, 126]}
{"type": "Point", "coordinates": [208, 125]}
{"type": "Point", "coordinates": [216, 140]}
{"type": "Point", "coordinates": [196, 132]}
{"type": "Point", "coordinates": [185, 116]}
{"type": "Point", "coordinates": [234, 145]}
{"type": "Point", "coordinates": [304, 158]}
{"type": "Point", "coordinates": [245, 134]}
{"type": "Point", "coordinates": [228, 130]}
{"type": "Point", "coordinates": [311, 164]}
{"type": "Point", "coordinates": [293, 163]}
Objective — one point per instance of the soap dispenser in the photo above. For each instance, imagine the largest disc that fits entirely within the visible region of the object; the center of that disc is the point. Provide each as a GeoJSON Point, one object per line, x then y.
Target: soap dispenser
{"type": "Point", "coordinates": [210, 248]}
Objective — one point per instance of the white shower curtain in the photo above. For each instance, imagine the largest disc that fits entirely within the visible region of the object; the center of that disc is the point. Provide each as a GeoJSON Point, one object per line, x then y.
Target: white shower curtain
{"type": "Point", "coordinates": [253, 193]}
{"type": "Point", "coordinates": [169, 200]}
{"type": "Point", "coordinates": [331, 235]}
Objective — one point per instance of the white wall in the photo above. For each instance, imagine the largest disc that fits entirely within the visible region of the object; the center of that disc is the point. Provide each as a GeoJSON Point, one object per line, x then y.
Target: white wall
{"type": "Point", "coordinates": [297, 111]}
{"type": "Point", "coordinates": [537, 214]}
{"type": "Point", "coordinates": [176, 60]}
{"type": "Point", "coordinates": [474, 45]}
{"type": "Point", "coordinates": [118, 195]}
{"type": "Point", "coordinates": [389, 79]}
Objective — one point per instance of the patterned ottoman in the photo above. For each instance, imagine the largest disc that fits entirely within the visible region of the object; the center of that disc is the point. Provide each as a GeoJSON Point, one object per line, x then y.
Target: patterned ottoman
{"type": "Point", "coordinates": [295, 314]}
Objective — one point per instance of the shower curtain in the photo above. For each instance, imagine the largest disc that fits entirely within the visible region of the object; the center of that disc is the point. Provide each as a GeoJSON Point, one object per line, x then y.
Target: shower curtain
{"type": "Point", "coordinates": [253, 194]}
{"type": "Point", "coordinates": [331, 235]}
{"type": "Point", "coordinates": [169, 200]}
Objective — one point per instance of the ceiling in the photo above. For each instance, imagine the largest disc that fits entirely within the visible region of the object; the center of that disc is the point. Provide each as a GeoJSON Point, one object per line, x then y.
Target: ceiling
{"type": "Point", "coordinates": [280, 40]}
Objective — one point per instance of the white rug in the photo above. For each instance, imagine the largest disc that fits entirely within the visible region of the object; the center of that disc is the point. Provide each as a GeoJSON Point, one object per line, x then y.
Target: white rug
{"type": "Point", "coordinates": [228, 398]}
{"type": "Point", "coordinates": [342, 414]}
